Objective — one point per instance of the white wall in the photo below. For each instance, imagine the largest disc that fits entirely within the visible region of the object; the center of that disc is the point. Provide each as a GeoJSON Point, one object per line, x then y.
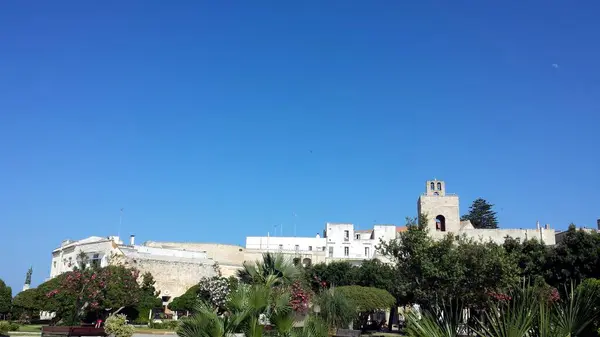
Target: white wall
{"type": "Point", "coordinates": [340, 243]}
{"type": "Point", "coordinates": [64, 259]}
{"type": "Point", "coordinates": [341, 238]}
{"type": "Point", "coordinates": [283, 243]}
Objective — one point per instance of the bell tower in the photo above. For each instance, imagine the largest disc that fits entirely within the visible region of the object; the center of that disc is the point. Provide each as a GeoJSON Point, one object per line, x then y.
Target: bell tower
{"type": "Point", "coordinates": [441, 208]}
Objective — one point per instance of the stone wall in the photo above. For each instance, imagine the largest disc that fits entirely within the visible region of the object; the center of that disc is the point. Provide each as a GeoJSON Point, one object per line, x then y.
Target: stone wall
{"type": "Point", "coordinates": [229, 257]}
{"type": "Point", "coordinates": [447, 206]}
{"type": "Point", "coordinates": [499, 235]}
{"type": "Point", "coordinates": [173, 278]}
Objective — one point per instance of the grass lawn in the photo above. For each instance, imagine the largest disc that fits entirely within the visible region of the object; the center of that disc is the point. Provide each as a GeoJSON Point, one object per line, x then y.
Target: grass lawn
{"type": "Point", "coordinates": [30, 328]}
{"type": "Point", "coordinates": [154, 331]}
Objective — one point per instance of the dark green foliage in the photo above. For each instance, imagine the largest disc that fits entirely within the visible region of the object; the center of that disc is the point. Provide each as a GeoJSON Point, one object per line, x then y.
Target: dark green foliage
{"type": "Point", "coordinates": [366, 300]}
{"type": "Point", "coordinates": [427, 270]}
{"type": "Point", "coordinates": [25, 306]}
{"type": "Point", "coordinates": [481, 215]}
{"type": "Point", "coordinates": [186, 302]}
{"type": "Point", "coordinates": [575, 258]}
{"type": "Point", "coordinates": [149, 296]}
{"type": "Point", "coordinates": [5, 298]}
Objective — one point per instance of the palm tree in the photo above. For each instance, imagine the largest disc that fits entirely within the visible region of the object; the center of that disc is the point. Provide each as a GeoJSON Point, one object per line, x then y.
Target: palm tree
{"type": "Point", "coordinates": [251, 309]}
{"type": "Point", "coordinates": [334, 309]}
{"type": "Point", "coordinates": [526, 313]}
{"type": "Point", "coordinates": [273, 270]}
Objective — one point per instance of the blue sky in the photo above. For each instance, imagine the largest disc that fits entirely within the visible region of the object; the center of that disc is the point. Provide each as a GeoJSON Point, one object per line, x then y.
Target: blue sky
{"type": "Point", "coordinates": [213, 120]}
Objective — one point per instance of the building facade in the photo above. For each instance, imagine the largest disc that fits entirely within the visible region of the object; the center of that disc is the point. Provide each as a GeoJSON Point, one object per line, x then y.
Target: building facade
{"type": "Point", "coordinates": [443, 216]}
{"type": "Point", "coordinates": [174, 270]}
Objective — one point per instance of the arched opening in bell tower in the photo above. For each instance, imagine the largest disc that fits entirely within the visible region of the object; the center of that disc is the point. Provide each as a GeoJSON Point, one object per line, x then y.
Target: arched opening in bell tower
{"type": "Point", "coordinates": [440, 223]}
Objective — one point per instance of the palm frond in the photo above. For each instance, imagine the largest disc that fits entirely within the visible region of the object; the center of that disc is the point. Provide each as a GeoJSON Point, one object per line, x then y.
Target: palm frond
{"type": "Point", "coordinates": [442, 320]}
{"type": "Point", "coordinates": [576, 312]}
{"type": "Point", "coordinates": [514, 318]}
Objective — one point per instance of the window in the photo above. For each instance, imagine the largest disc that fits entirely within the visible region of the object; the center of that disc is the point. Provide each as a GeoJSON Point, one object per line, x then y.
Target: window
{"type": "Point", "coordinates": [280, 247]}
{"type": "Point", "coordinates": [309, 247]}
{"type": "Point", "coordinates": [357, 236]}
{"type": "Point", "coordinates": [432, 185]}
{"type": "Point", "coordinates": [297, 248]}
{"type": "Point", "coordinates": [346, 251]}
{"type": "Point", "coordinates": [54, 264]}
{"type": "Point", "coordinates": [323, 248]}
{"type": "Point", "coordinates": [440, 223]}
{"type": "Point", "coordinates": [346, 235]}
{"type": "Point", "coordinates": [367, 251]}
{"type": "Point", "coordinates": [439, 186]}
{"type": "Point", "coordinates": [330, 251]}
{"type": "Point", "coordinates": [95, 261]}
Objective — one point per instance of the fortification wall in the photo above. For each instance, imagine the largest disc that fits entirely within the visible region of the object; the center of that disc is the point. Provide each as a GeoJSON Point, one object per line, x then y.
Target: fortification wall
{"type": "Point", "coordinates": [229, 257]}
{"type": "Point", "coordinates": [173, 278]}
{"type": "Point", "coordinates": [499, 235]}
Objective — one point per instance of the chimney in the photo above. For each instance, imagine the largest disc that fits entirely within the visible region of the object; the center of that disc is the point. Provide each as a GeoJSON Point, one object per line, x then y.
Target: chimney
{"type": "Point", "coordinates": [547, 226]}
{"type": "Point", "coordinates": [132, 239]}
{"type": "Point", "coordinates": [537, 225]}
{"type": "Point", "coordinates": [598, 223]}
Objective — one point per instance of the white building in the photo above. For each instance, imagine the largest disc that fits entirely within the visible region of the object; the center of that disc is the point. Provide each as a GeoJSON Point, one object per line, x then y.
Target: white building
{"type": "Point", "coordinates": [340, 242]}
{"type": "Point", "coordinates": [174, 270]}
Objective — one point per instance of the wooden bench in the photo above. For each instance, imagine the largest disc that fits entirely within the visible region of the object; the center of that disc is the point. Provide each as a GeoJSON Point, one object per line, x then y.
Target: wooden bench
{"type": "Point", "coordinates": [72, 331]}
{"type": "Point", "coordinates": [347, 333]}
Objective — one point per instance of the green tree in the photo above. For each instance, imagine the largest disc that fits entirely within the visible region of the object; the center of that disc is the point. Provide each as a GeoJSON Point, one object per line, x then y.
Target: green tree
{"type": "Point", "coordinates": [451, 268]}
{"type": "Point", "coordinates": [5, 298]}
{"type": "Point", "coordinates": [334, 309]}
{"type": "Point", "coordinates": [531, 257]}
{"type": "Point", "coordinates": [366, 300]}
{"type": "Point", "coordinates": [575, 258]}
{"type": "Point", "coordinates": [481, 215]}
{"type": "Point", "coordinates": [337, 273]}
{"type": "Point", "coordinates": [25, 305]}
{"type": "Point", "coordinates": [187, 302]}
{"type": "Point", "coordinates": [148, 300]}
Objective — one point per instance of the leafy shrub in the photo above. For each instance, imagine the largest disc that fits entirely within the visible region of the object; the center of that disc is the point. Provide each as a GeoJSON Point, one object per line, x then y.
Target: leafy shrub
{"type": "Point", "coordinates": [168, 325]}
{"type": "Point", "coordinates": [116, 325]}
{"type": "Point", "coordinates": [4, 327]}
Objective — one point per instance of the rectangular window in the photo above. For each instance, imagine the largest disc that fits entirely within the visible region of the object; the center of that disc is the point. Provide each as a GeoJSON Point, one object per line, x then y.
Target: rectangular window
{"type": "Point", "coordinates": [330, 251]}
{"type": "Point", "coordinates": [309, 247]}
{"type": "Point", "coordinates": [346, 251]}
{"type": "Point", "coordinates": [280, 247]}
{"type": "Point", "coordinates": [297, 247]}
{"type": "Point", "coordinates": [323, 248]}
{"type": "Point", "coordinates": [357, 236]}
{"type": "Point", "coordinates": [367, 251]}
{"type": "Point", "coordinates": [346, 235]}
{"type": "Point", "coordinates": [54, 264]}
{"type": "Point", "coordinates": [96, 261]}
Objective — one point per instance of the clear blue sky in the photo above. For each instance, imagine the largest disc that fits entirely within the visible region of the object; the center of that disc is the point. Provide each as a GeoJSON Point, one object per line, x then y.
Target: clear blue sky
{"type": "Point", "coordinates": [199, 117]}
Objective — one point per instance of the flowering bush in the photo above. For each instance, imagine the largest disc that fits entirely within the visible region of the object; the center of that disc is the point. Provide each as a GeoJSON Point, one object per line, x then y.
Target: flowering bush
{"type": "Point", "coordinates": [93, 289]}
{"type": "Point", "coordinates": [300, 298]}
{"type": "Point", "coordinates": [215, 290]}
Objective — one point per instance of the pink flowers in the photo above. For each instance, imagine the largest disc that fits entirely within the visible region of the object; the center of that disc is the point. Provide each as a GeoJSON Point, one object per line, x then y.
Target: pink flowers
{"type": "Point", "coordinates": [499, 297]}
{"type": "Point", "coordinates": [52, 293]}
{"type": "Point", "coordinates": [300, 298]}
